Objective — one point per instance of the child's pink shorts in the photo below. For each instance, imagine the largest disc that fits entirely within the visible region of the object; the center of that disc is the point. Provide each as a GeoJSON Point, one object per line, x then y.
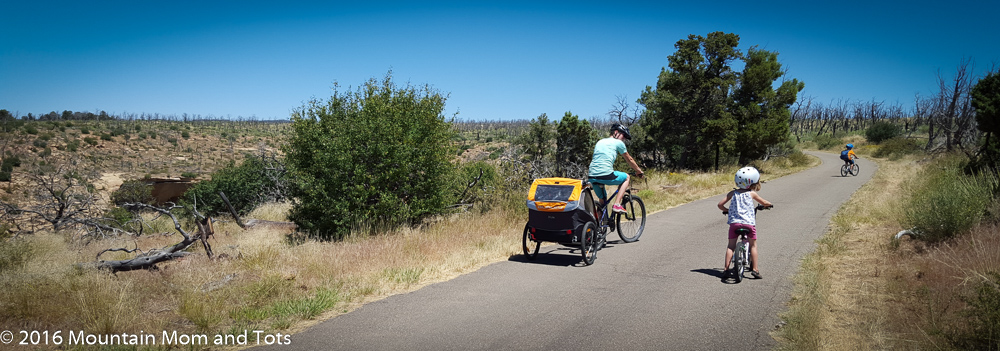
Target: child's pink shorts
{"type": "Point", "coordinates": [734, 226]}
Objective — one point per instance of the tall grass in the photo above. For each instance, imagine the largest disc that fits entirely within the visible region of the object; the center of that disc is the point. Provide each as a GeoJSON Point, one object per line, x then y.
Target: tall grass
{"type": "Point", "coordinates": [946, 202]}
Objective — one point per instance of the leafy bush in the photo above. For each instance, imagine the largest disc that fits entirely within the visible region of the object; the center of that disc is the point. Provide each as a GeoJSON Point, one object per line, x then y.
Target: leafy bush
{"type": "Point", "coordinates": [825, 141]}
{"type": "Point", "coordinates": [105, 136]}
{"type": "Point", "coordinates": [948, 203]}
{"type": "Point", "coordinates": [380, 156]}
{"type": "Point", "coordinates": [84, 130]}
{"type": "Point", "coordinates": [185, 135]}
{"type": "Point", "coordinates": [133, 191]}
{"type": "Point", "coordinates": [30, 129]}
{"type": "Point", "coordinates": [881, 131]}
{"type": "Point", "coordinates": [898, 147]}
{"type": "Point", "coordinates": [245, 185]}
{"type": "Point", "coordinates": [90, 140]}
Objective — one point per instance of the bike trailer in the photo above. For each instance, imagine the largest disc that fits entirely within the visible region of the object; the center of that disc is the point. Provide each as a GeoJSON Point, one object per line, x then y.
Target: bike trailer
{"type": "Point", "coordinates": [558, 208]}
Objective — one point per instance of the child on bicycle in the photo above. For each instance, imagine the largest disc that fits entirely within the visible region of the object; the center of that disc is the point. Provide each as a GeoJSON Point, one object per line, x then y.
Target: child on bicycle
{"type": "Point", "coordinates": [848, 155]}
{"type": "Point", "coordinates": [742, 214]}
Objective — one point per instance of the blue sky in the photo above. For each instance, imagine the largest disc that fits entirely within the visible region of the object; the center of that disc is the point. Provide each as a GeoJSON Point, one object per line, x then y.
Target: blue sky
{"type": "Point", "coordinates": [502, 60]}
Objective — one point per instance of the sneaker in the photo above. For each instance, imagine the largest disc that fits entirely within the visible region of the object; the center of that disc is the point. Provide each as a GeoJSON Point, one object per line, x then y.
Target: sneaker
{"type": "Point", "coordinates": [756, 275]}
{"type": "Point", "coordinates": [618, 208]}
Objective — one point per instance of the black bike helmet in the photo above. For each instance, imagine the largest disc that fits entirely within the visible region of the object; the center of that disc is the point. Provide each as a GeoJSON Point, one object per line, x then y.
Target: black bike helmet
{"type": "Point", "coordinates": [621, 128]}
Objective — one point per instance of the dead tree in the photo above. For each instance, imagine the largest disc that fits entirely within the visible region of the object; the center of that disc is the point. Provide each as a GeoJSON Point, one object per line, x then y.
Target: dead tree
{"type": "Point", "coordinates": [149, 259]}
{"type": "Point", "coordinates": [58, 198]}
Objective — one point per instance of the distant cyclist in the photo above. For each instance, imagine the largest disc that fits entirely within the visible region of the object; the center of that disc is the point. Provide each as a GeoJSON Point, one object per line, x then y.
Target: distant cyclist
{"type": "Point", "coordinates": [848, 155]}
{"type": "Point", "coordinates": [742, 215]}
{"type": "Point", "coordinates": [602, 166]}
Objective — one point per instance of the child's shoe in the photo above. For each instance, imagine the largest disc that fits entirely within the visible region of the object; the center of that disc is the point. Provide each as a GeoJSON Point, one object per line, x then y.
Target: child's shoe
{"type": "Point", "coordinates": [618, 208]}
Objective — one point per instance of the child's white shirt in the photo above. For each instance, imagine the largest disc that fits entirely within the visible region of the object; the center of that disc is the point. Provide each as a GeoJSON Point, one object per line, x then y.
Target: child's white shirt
{"type": "Point", "coordinates": [741, 208]}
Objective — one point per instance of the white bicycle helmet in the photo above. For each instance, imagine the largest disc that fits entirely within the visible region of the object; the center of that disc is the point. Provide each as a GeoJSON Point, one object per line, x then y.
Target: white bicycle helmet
{"type": "Point", "coordinates": [747, 176]}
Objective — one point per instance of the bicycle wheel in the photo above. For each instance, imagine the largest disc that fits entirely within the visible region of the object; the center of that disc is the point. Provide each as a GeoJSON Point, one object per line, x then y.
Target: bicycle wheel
{"type": "Point", "coordinates": [530, 246]}
{"type": "Point", "coordinates": [631, 223]}
{"type": "Point", "coordinates": [739, 260]}
{"type": "Point", "coordinates": [843, 171]}
{"type": "Point", "coordinates": [588, 243]}
{"type": "Point", "coordinates": [854, 169]}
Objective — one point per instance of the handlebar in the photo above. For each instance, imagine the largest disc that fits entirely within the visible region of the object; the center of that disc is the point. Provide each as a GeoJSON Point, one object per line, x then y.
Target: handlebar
{"type": "Point", "coordinates": [758, 208]}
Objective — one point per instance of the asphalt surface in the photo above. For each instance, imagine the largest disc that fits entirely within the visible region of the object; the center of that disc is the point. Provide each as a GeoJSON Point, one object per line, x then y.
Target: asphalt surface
{"type": "Point", "coordinates": [663, 292]}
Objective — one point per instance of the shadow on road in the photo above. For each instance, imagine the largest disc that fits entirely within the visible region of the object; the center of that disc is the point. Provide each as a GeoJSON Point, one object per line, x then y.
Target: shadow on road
{"type": "Point", "coordinates": [715, 272]}
{"type": "Point", "coordinates": [559, 255]}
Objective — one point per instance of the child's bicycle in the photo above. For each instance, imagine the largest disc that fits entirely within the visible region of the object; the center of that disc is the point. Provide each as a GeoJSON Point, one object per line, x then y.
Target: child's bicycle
{"type": "Point", "coordinates": [851, 169]}
{"type": "Point", "coordinates": [564, 211]}
{"type": "Point", "coordinates": [741, 261]}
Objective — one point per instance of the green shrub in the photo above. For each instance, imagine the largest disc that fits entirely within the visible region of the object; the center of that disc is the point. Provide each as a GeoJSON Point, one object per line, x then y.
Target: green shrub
{"type": "Point", "coordinates": [30, 129]}
{"type": "Point", "coordinates": [246, 186]}
{"type": "Point", "coordinates": [898, 147]}
{"type": "Point", "coordinates": [185, 135]}
{"type": "Point", "coordinates": [377, 157]}
{"type": "Point", "coordinates": [84, 130]}
{"type": "Point", "coordinates": [189, 175]}
{"type": "Point", "coordinates": [105, 136]}
{"type": "Point", "coordinates": [5, 176]}
{"type": "Point", "coordinates": [133, 191]}
{"type": "Point", "coordinates": [90, 140]}
{"type": "Point", "coordinates": [947, 203]}
{"type": "Point", "coordinates": [39, 143]}
{"type": "Point", "coordinates": [882, 131]}
{"type": "Point", "coordinates": [825, 141]}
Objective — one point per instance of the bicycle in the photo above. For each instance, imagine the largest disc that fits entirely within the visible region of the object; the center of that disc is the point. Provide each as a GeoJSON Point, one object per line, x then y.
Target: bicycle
{"type": "Point", "coordinates": [741, 260]}
{"type": "Point", "coordinates": [851, 169]}
{"type": "Point", "coordinates": [629, 224]}
{"type": "Point", "coordinates": [592, 236]}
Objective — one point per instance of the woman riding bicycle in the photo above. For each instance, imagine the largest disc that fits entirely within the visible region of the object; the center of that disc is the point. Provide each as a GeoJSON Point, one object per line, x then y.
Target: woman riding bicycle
{"type": "Point", "coordinates": [742, 214]}
{"type": "Point", "coordinates": [602, 165]}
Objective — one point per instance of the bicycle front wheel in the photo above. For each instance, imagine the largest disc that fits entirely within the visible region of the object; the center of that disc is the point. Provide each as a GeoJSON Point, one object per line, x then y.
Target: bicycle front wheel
{"type": "Point", "coordinates": [631, 223]}
{"type": "Point", "coordinates": [855, 169]}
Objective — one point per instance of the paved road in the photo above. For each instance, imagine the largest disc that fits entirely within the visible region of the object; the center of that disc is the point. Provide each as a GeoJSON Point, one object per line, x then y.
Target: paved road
{"type": "Point", "coordinates": [663, 292]}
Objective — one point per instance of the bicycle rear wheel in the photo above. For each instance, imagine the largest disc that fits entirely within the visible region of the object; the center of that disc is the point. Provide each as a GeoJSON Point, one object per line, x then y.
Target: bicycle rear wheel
{"type": "Point", "coordinates": [854, 169]}
{"type": "Point", "coordinates": [631, 223]}
{"type": "Point", "coordinates": [843, 171]}
{"type": "Point", "coordinates": [588, 243]}
{"type": "Point", "coordinates": [739, 262]}
{"type": "Point", "coordinates": [530, 246]}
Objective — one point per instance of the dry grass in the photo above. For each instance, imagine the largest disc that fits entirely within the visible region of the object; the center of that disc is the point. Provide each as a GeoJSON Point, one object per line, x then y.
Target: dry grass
{"type": "Point", "coordinates": [840, 301]}
{"type": "Point", "coordinates": [863, 290]}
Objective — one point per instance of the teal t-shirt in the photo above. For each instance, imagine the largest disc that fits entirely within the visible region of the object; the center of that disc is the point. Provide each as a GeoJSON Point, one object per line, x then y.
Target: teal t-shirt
{"type": "Point", "coordinates": [605, 153]}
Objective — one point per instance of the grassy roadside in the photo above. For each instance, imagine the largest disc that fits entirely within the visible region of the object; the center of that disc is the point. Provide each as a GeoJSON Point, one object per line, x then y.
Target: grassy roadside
{"type": "Point", "coordinates": [839, 295]}
{"type": "Point", "coordinates": [261, 281]}
{"type": "Point", "coordinates": [862, 290]}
